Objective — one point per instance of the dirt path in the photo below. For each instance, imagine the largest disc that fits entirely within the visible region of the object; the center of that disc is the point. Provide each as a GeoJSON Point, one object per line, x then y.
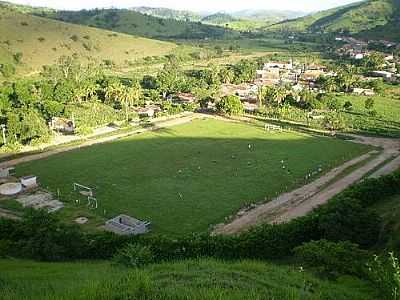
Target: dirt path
{"type": "Point", "coordinates": [302, 200]}
{"type": "Point", "coordinates": [155, 126]}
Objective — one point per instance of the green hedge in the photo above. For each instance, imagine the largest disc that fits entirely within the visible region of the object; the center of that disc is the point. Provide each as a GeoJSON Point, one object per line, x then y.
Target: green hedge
{"type": "Point", "coordinates": [344, 218]}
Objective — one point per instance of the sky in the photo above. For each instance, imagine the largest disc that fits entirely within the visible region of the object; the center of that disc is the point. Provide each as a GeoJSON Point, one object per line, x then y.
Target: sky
{"type": "Point", "coordinates": [194, 5]}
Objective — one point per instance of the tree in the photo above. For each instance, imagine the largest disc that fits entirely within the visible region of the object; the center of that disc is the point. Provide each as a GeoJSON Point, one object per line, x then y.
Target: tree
{"type": "Point", "coordinates": [230, 105]}
{"type": "Point", "coordinates": [245, 71]}
{"type": "Point", "coordinates": [348, 106]}
{"type": "Point", "coordinates": [227, 75]}
{"type": "Point", "coordinates": [329, 84]}
{"type": "Point", "coordinates": [274, 95]}
{"type": "Point", "coordinates": [369, 104]}
{"type": "Point", "coordinates": [374, 61]}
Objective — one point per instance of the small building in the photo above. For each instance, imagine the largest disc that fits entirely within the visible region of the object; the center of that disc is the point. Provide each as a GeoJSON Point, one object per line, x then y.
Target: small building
{"type": "Point", "coordinates": [250, 107]}
{"type": "Point", "coordinates": [382, 74]}
{"type": "Point", "coordinates": [312, 75]}
{"type": "Point", "coordinates": [7, 172]}
{"type": "Point", "coordinates": [186, 97]}
{"type": "Point", "coordinates": [279, 65]}
{"type": "Point", "coordinates": [126, 225]}
{"type": "Point", "coordinates": [389, 57]}
{"type": "Point", "coordinates": [62, 125]}
{"type": "Point", "coordinates": [148, 111]}
{"type": "Point", "coordinates": [358, 56]}
{"type": "Point", "coordinates": [29, 182]}
{"type": "Point", "coordinates": [363, 92]}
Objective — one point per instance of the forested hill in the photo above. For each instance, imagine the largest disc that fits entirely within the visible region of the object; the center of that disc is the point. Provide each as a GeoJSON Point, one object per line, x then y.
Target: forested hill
{"type": "Point", "coordinates": [219, 18]}
{"type": "Point", "coordinates": [371, 18]}
{"type": "Point", "coordinates": [167, 13]}
{"type": "Point", "coordinates": [134, 23]}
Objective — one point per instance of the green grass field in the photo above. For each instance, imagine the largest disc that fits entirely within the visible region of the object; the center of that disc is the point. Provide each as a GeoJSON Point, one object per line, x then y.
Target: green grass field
{"type": "Point", "coordinates": [185, 178]}
{"type": "Point", "coordinates": [387, 106]}
{"type": "Point", "coordinates": [194, 279]}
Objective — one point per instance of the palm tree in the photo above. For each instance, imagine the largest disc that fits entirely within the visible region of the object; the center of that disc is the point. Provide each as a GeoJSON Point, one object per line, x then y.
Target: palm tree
{"type": "Point", "coordinates": [227, 75]}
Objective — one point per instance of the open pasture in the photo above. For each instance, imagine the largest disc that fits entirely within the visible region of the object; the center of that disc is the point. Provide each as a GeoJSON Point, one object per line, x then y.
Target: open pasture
{"type": "Point", "coordinates": [186, 178]}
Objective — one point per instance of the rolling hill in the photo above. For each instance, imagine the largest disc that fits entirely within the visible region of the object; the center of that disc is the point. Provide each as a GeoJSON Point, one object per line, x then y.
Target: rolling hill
{"type": "Point", "coordinates": [379, 18]}
{"type": "Point", "coordinates": [135, 23]}
{"type": "Point", "coordinates": [167, 13]}
{"type": "Point", "coordinates": [219, 18]}
{"type": "Point", "coordinates": [31, 42]}
{"type": "Point", "coordinates": [267, 15]}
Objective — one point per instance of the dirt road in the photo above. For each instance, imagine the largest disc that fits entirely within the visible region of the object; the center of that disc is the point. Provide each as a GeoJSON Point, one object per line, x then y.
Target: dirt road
{"type": "Point", "coordinates": [302, 200]}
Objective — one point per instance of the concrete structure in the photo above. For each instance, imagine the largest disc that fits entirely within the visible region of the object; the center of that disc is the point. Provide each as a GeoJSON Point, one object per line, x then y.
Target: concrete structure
{"type": "Point", "coordinates": [10, 188]}
{"type": "Point", "coordinates": [29, 181]}
{"type": "Point", "coordinates": [62, 125]}
{"type": "Point", "coordinates": [126, 225]}
{"type": "Point", "coordinates": [186, 97]}
{"type": "Point", "coordinates": [40, 200]}
{"type": "Point", "coordinates": [7, 172]}
{"type": "Point", "coordinates": [363, 92]}
{"type": "Point", "coordinates": [148, 111]}
{"type": "Point", "coordinates": [383, 74]}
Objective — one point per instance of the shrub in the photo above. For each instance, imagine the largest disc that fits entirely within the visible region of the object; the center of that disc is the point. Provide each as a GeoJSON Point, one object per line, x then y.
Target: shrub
{"type": "Point", "coordinates": [18, 57]}
{"type": "Point", "coordinates": [74, 37]}
{"type": "Point", "coordinates": [230, 105]}
{"type": "Point", "coordinates": [134, 256]}
{"type": "Point", "coordinates": [385, 274]}
{"type": "Point", "coordinates": [7, 70]}
{"type": "Point", "coordinates": [369, 103]}
{"type": "Point", "coordinates": [41, 39]}
{"type": "Point", "coordinates": [24, 24]}
{"type": "Point", "coordinates": [332, 258]}
{"type": "Point", "coordinates": [348, 106]}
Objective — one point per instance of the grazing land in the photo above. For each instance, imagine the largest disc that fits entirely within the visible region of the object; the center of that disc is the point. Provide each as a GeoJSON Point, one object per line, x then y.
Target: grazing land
{"type": "Point", "coordinates": [387, 106]}
{"type": "Point", "coordinates": [38, 41]}
{"type": "Point", "coordinates": [185, 178]}
{"type": "Point", "coordinates": [194, 279]}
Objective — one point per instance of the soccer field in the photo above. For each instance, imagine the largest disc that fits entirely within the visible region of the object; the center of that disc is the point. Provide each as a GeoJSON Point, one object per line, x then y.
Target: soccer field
{"type": "Point", "coordinates": [186, 178]}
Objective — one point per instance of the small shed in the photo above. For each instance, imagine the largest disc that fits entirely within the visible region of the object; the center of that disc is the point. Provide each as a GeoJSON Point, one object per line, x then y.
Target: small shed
{"type": "Point", "coordinates": [126, 225]}
{"type": "Point", "coordinates": [62, 125]}
{"type": "Point", "coordinates": [29, 181]}
{"type": "Point", "coordinates": [6, 172]}
{"type": "Point", "coordinates": [186, 97]}
{"type": "Point", "coordinates": [364, 92]}
{"type": "Point", "coordinates": [148, 111]}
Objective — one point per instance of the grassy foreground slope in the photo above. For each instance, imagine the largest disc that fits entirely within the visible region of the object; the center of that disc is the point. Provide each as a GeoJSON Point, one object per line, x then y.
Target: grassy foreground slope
{"type": "Point", "coordinates": [194, 279]}
{"type": "Point", "coordinates": [42, 41]}
{"type": "Point", "coordinates": [188, 177]}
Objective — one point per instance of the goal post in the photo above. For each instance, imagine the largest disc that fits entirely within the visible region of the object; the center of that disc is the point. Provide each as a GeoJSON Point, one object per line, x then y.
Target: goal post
{"type": "Point", "coordinates": [79, 187]}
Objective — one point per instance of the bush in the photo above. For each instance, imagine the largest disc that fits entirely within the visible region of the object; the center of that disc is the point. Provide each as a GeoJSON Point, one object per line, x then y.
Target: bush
{"type": "Point", "coordinates": [74, 37]}
{"type": "Point", "coordinates": [7, 70]}
{"type": "Point", "coordinates": [18, 57]}
{"type": "Point", "coordinates": [385, 274]}
{"type": "Point", "coordinates": [332, 258]}
{"type": "Point", "coordinates": [134, 256]}
{"type": "Point", "coordinates": [230, 105]}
